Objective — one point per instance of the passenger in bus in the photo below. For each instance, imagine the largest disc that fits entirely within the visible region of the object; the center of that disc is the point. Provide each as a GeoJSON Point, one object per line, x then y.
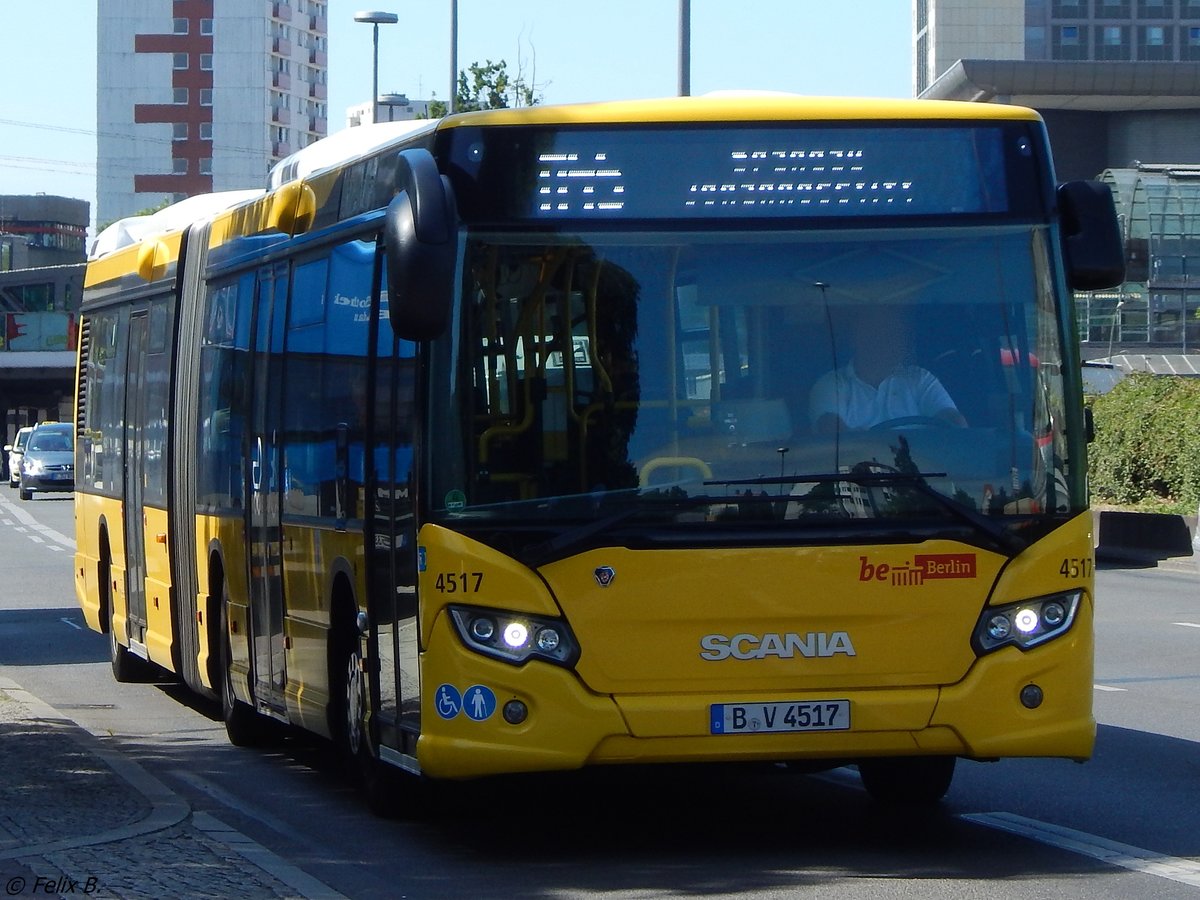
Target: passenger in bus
{"type": "Point", "coordinates": [879, 385]}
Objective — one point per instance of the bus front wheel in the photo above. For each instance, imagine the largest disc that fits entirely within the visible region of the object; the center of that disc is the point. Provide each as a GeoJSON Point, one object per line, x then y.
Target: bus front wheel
{"type": "Point", "coordinates": [389, 792]}
{"type": "Point", "coordinates": [910, 781]}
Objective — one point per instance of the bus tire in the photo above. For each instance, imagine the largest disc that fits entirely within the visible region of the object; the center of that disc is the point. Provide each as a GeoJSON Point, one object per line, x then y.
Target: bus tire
{"type": "Point", "coordinates": [243, 726]}
{"type": "Point", "coordinates": [382, 785]}
{"type": "Point", "coordinates": [907, 781]}
{"type": "Point", "coordinates": [343, 656]}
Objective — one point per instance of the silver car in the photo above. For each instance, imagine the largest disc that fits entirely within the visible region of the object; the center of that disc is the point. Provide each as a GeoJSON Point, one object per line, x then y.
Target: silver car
{"type": "Point", "coordinates": [15, 450]}
{"type": "Point", "coordinates": [48, 463]}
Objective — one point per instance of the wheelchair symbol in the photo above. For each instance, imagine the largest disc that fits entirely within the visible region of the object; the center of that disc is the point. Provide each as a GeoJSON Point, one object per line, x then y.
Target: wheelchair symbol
{"type": "Point", "coordinates": [448, 701]}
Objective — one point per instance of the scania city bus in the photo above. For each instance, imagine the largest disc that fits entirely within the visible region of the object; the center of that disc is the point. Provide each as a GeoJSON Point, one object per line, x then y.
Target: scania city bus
{"type": "Point", "coordinates": [490, 444]}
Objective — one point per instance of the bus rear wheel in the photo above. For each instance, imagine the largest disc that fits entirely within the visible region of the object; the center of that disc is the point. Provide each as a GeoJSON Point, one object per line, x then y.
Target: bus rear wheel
{"type": "Point", "coordinates": [909, 781]}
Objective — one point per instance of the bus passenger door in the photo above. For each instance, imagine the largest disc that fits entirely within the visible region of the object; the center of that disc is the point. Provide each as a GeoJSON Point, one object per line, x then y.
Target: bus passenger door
{"type": "Point", "coordinates": [264, 553]}
{"type": "Point", "coordinates": [393, 561]}
{"type": "Point", "coordinates": [135, 483]}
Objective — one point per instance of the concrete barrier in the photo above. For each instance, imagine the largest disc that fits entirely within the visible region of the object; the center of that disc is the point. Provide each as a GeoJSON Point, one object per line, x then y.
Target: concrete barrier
{"type": "Point", "coordinates": [1126, 535]}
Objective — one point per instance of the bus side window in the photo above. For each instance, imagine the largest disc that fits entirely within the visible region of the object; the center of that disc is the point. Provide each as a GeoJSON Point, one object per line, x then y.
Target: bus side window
{"type": "Point", "coordinates": [224, 363]}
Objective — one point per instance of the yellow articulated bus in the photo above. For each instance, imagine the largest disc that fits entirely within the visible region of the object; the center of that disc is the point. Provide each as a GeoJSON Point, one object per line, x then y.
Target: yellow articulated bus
{"type": "Point", "coordinates": [699, 429]}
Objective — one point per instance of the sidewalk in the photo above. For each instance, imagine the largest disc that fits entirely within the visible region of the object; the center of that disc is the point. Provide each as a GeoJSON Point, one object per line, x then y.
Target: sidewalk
{"type": "Point", "coordinates": [79, 819]}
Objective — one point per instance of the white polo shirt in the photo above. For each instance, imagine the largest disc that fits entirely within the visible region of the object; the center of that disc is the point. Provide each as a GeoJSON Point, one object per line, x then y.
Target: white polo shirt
{"type": "Point", "coordinates": [908, 391]}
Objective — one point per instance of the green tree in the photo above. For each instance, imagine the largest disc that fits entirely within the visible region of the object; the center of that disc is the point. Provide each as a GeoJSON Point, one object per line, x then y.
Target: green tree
{"type": "Point", "coordinates": [488, 85]}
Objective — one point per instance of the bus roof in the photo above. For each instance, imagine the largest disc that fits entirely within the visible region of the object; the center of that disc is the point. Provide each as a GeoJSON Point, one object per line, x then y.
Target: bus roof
{"type": "Point", "coordinates": [177, 216]}
{"type": "Point", "coordinates": [742, 106]}
{"type": "Point", "coordinates": [317, 167]}
{"type": "Point", "coordinates": [349, 143]}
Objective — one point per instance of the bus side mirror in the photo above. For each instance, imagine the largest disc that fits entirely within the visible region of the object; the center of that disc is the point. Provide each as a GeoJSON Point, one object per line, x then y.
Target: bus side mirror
{"type": "Point", "coordinates": [1091, 237]}
{"type": "Point", "coordinates": [419, 235]}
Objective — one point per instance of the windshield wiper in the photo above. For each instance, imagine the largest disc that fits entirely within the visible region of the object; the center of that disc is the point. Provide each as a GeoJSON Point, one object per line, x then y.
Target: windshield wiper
{"type": "Point", "coordinates": [572, 539]}
{"type": "Point", "coordinates": [556, 547]}
{"type": "Point", "coordinates": [1006, 540]}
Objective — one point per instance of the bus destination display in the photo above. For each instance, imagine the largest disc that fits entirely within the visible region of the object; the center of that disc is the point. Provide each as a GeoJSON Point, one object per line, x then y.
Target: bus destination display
{"type": "Point", "coordinates": [610, 174]}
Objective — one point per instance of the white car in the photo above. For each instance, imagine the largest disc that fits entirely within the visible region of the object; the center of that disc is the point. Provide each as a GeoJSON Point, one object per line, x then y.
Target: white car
{"type": "Point", "coordinates": [15, 451]}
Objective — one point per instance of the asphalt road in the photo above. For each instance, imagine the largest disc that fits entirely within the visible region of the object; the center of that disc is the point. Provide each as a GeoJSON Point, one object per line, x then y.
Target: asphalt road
{"type": "Point", "coordinates": [1125, 824]}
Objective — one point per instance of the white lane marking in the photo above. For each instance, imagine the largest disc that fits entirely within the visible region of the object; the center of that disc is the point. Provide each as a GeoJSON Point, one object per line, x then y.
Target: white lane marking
{"type": "Point", "coordinates": [1175, 868]}
{"type": "Point", "coordinates": [307, 886]}
{"type": "Point", "coordinates": [226, 799]}
{"type": "Point", "coordinates": [29, 522]}
{"type": "Point", "coordinates": [1187, 624]}
{"type": "Point", "coordinates": [1105, 687]}
{"type": "Point", "coordinates": [74, 625]}
{"type": "Point", "coordinates": [1185, 871]}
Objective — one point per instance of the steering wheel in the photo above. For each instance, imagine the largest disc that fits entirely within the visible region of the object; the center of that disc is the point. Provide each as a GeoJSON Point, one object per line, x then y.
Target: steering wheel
{"type": "Point", "coordinates": [911, 422]}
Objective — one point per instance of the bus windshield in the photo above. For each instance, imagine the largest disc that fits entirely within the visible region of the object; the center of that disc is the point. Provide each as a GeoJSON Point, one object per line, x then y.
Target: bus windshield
{"type": "Point", "coordinates": [769, 382]}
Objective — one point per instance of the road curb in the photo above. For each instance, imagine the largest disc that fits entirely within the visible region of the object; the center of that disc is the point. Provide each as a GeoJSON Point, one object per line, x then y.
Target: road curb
{"type": "Point", "coordinates": [166, 807]}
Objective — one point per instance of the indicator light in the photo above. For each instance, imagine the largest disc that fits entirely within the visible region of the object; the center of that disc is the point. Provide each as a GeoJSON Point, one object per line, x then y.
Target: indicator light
{"type": "Point", "coordinates": [547, 640]}
{"type": "Point", "coordinates": [1053, 615]}
{"type": "Point", "coordinates": [483, 628]}
{"type": "Point", "coordinates": [999, 627]}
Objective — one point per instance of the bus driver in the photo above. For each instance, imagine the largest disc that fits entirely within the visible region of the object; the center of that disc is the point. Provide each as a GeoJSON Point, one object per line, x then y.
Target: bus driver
{"type": "Point", "coordinates": [878, 385]}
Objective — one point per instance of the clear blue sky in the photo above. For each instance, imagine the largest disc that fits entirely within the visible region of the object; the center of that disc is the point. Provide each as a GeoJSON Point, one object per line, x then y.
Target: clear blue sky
{"type": "Point", "coordinates": [572, 50]}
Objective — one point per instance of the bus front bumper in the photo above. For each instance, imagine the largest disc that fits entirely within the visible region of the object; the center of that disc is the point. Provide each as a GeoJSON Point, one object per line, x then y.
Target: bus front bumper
{"type": "Point", "coordinates": [566, 726]}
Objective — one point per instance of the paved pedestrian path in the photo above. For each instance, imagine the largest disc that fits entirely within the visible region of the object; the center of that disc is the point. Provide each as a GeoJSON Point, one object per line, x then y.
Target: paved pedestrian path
{"type": "Point", "coordinates": [79, 819]}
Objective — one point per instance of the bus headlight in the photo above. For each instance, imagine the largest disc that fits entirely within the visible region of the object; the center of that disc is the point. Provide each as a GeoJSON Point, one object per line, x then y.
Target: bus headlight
{"type": "Point", "coordinates": [515, 637]}
{"type": "Point", "coordinates": [1026, 624]}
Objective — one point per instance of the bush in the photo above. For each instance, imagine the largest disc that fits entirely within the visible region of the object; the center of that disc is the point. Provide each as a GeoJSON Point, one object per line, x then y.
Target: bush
{"type": "Point", "coordinates": [1147, 447]}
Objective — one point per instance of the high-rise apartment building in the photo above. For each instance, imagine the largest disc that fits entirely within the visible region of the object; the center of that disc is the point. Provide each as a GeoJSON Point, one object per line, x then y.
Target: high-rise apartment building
{"type": "Point", "coordinates": [945, 31]}
{"type": "Point", "coordinates": [204, 95]}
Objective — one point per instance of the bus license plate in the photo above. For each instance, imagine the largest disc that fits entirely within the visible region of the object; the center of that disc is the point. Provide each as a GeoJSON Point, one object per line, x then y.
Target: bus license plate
{"type": "Point", "coordinates": [807, 715]}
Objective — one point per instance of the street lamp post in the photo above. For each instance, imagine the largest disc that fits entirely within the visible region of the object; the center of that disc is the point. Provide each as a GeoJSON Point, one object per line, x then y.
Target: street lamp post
{"type": "Point", "coordinates": [685, 48]}
{"type": "Point", "coordinates": [453, 102]}
{"type": "Point", "coordinates": [376, 18]}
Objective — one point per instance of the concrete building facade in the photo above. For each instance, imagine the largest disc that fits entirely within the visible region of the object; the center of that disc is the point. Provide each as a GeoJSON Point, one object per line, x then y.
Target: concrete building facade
{"type": "Point", "coordinates": [41, 284]}
{"type": "Point", "coordinates": [945, 31]}
{"type": "Point", "coordinates": [41, 230]}
{"type": "Point", "coordinates": [197, 96]}
{"type": "Point", "coordinates": [1118, 85]}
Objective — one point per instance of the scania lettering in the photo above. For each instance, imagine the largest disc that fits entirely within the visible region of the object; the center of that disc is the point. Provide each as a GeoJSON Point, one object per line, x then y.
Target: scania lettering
{"type": "Point", "coordinates": [785, 646]}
